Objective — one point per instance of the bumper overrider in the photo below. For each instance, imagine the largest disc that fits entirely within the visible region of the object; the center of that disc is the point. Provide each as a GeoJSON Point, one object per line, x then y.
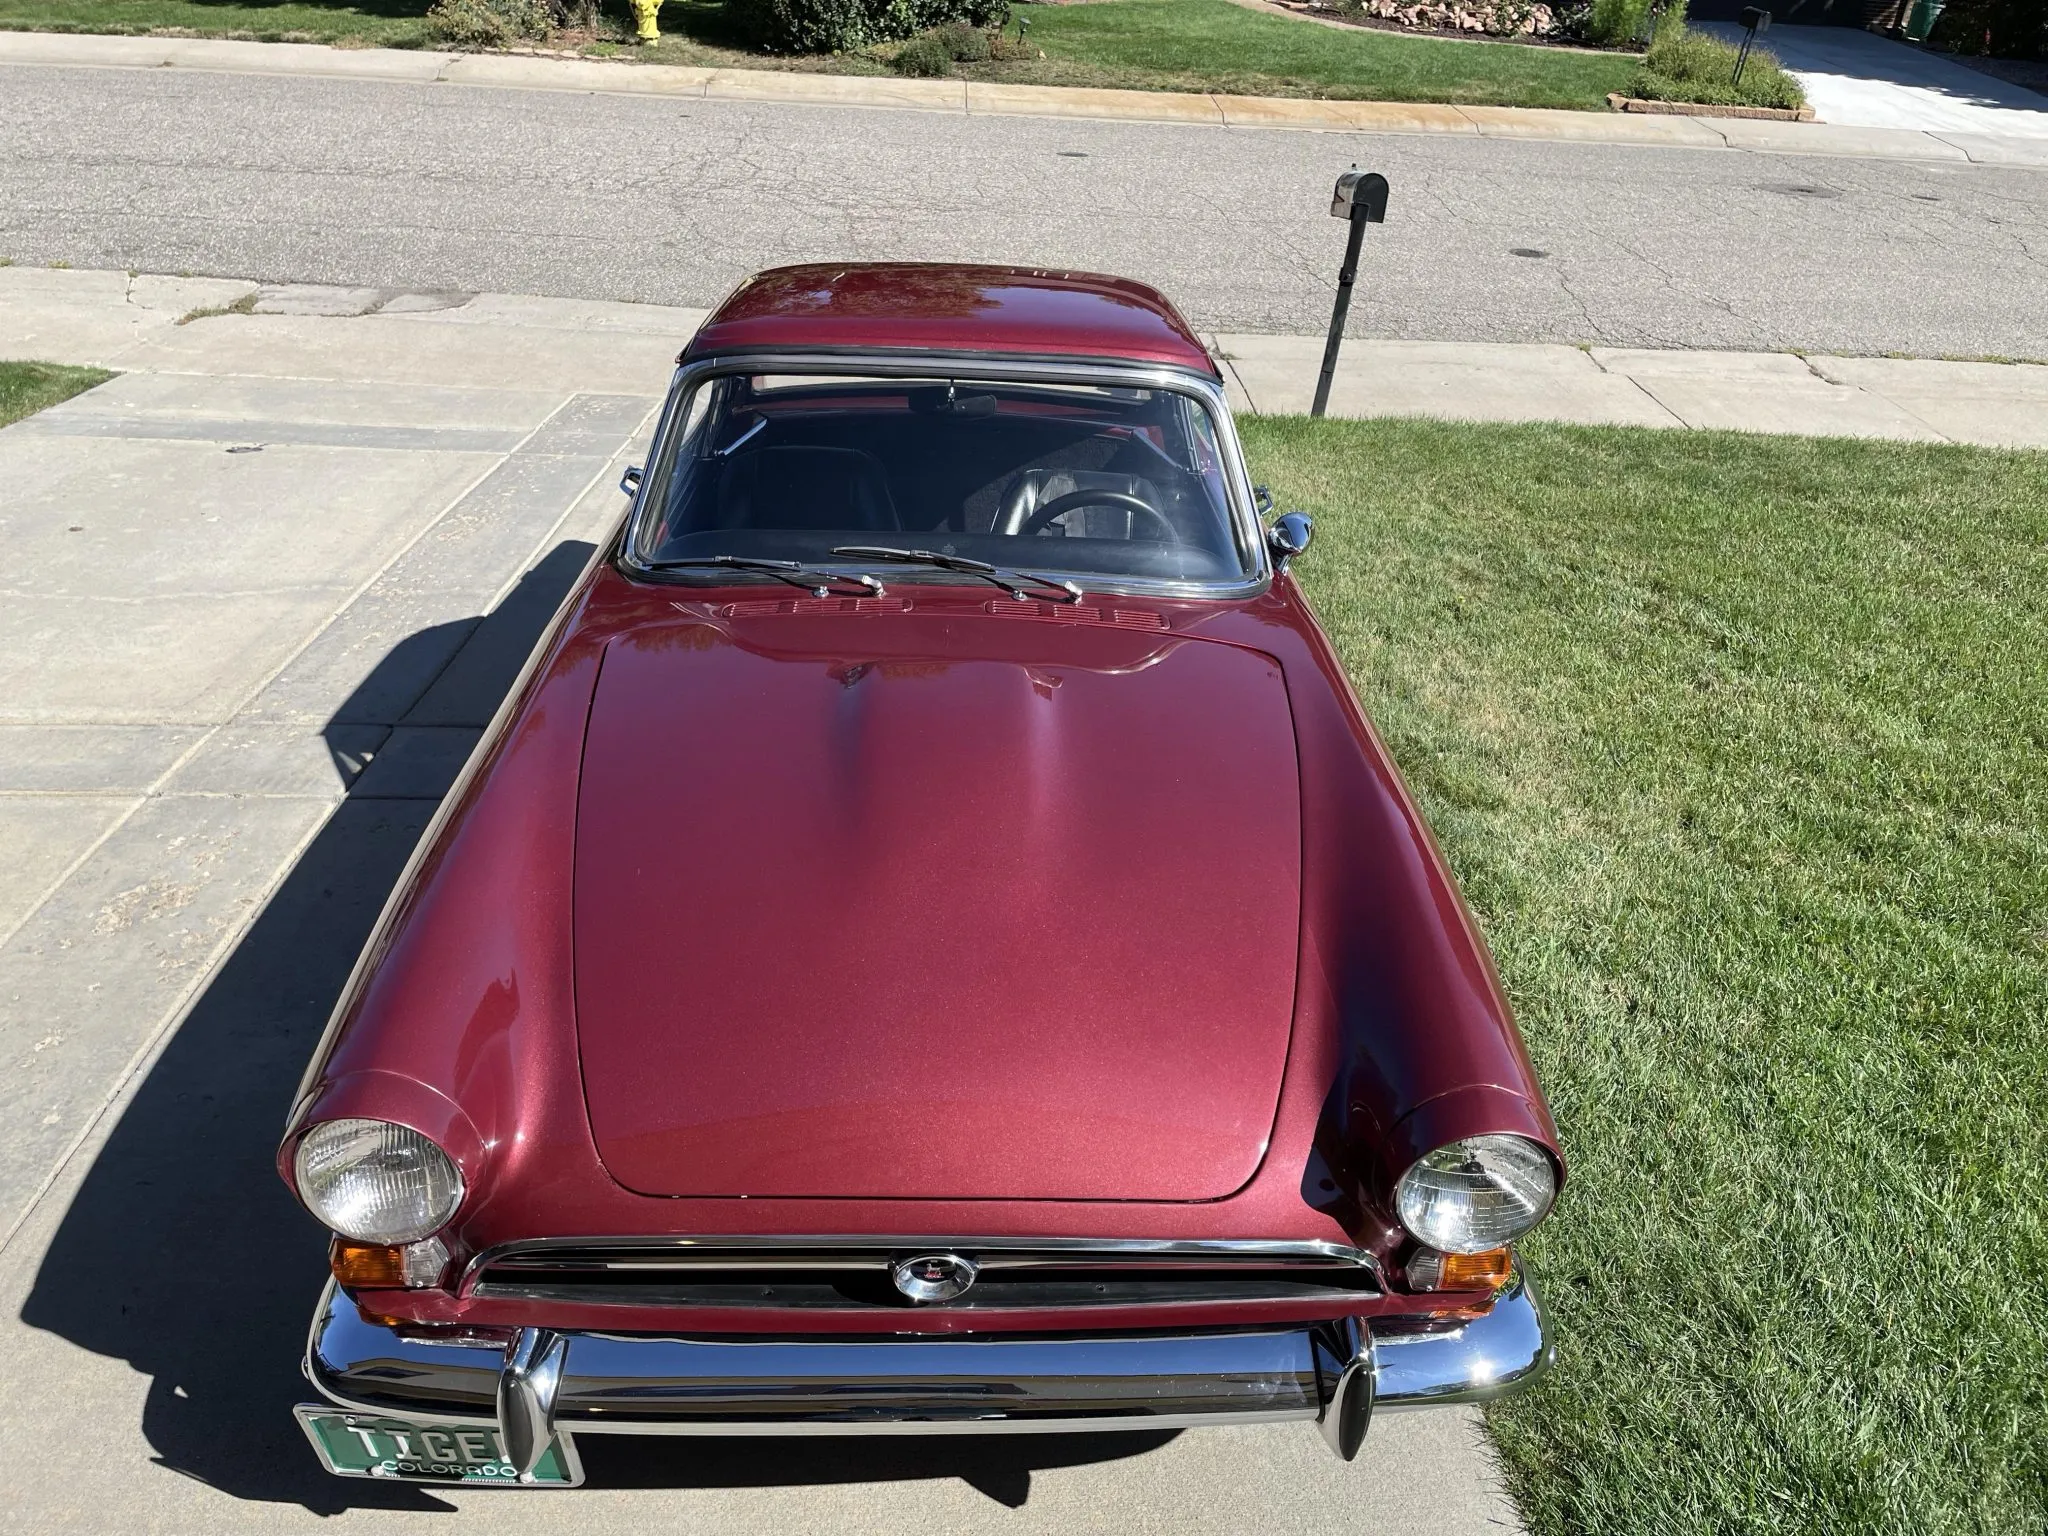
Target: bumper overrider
{"type": "Point", "coordinates": [534, 1385]}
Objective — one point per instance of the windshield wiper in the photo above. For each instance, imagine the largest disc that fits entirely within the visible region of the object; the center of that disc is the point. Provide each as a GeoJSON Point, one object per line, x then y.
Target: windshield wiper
{"type": "Point", "coordinates": [1009, 581]}
{"type": "Point", "coordinates": [795, 572]}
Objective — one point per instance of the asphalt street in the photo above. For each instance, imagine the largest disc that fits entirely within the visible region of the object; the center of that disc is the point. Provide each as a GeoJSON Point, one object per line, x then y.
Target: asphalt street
{"type": "Point", "coordinates": [670, 201]}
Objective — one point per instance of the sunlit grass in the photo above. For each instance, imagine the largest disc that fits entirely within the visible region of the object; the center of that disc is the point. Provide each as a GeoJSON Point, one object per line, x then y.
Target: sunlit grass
{"type": "Point", "coordinates": [1740, 748]}
{"type": "Point", "coordinates": [379, 23]}
{"type": "Point", "coordinates": [1213, 45]}
{"type": "Point", "coordinates": [1185, 45]}
{"type": "Point", "coordinates": [26, 388]}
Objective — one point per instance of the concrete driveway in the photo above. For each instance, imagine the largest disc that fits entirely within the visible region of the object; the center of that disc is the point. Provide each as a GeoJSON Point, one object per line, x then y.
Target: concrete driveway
{"type": "Point", "coordinates": [1862, 80]}
{"type": "Point", "coordinates": [262, 592]}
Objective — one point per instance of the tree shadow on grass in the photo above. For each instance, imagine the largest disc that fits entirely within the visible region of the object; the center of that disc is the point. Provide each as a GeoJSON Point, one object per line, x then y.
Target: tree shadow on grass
{"type": "Point", "coordinates": [184, 1255]}
{"type": "Point", "coordinates": [704, 21]}
{"type": "Point", "coordinates": [382, 10]}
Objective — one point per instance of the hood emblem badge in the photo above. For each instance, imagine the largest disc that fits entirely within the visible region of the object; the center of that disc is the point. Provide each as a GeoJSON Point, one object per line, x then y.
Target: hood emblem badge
{"type": "Point", "coordinates": [933, 1276]}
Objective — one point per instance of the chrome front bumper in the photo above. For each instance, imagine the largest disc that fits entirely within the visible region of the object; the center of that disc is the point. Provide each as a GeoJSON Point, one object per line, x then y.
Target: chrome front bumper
{"type": "Point", "coordinates": [543, 1382]}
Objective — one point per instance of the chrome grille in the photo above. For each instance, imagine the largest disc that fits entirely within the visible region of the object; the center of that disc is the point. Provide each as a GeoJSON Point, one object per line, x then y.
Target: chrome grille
{"type": "Point", "coordinates": [853, 1274]}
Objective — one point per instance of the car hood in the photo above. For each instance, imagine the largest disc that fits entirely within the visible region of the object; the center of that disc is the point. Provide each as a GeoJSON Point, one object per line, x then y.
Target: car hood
{"type": "Point", "coordinates": [901, 907]}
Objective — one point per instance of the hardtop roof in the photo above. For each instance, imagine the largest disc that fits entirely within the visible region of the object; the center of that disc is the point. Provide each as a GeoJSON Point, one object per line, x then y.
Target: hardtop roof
{"type": "Point", "coordinates": [1025, 312]}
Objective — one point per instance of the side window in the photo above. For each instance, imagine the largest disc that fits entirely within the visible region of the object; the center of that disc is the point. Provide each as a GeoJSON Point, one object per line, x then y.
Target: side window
{"type": "Point", "coordinates": [1208, 454]}
{"type": "Point", "coordinates": [691, 445]}
{"type": "Point", "coordinates": [693, 430]}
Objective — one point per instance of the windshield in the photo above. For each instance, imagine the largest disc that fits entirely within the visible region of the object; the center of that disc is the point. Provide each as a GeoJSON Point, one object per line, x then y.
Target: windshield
{"type": "Point", "coordinates": [1078, 480]}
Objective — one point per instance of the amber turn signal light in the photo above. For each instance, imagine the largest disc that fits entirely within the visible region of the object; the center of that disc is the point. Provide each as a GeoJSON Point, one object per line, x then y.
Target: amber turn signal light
{"type": "Point", "coordinates": [366, 1266]}
{"type": "Point", "coordinates": [381, 1267]}
{"type": "Point", "coordinates": [1488, 1271]}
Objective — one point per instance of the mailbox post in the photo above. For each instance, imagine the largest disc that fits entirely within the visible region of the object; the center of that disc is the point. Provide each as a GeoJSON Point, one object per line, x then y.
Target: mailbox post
{"type": "Point", "coordinates": [1755, 19]}
{"type": "Point", "coordinates": [1361, 197]}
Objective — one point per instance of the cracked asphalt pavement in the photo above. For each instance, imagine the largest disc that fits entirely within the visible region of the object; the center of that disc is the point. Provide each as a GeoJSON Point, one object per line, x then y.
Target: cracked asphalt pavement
{"type": "Point", "coordinates": [671, 201]}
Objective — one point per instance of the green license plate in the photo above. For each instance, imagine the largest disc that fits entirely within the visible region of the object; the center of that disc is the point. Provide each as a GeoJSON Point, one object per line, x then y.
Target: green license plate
{"type": "Point", "coordinates": [372, 1445]}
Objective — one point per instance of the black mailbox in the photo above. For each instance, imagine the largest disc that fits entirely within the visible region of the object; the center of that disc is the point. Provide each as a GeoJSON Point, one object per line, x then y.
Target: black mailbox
{"type": "Point", "coordinates": [1360, 195]}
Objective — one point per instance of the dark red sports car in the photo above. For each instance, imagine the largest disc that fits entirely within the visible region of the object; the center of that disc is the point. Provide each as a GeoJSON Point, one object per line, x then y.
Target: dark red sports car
{"type": "Point", "coordinates": [931, 943]}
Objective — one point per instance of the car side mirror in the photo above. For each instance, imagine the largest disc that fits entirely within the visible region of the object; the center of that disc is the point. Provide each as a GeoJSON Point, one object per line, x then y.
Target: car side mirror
{"type": "Point", "coordinates": [1288, 538]}
{"type": "Point", "coordinates": [629, 482]}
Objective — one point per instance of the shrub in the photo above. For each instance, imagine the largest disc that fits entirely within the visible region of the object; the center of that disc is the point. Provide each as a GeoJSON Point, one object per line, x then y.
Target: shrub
{"type": "Point", "coordinates": [490, 23]}
{"type": "Point", "coordinates": [1571, 21]}
{"type": "Point", "coordinates": [2005, 29]}
{"type": "Point", "coordinates": [1684, 65]}
{"type": "Point", "coordinates": [1618, 23]}
{"type": "Point", "coordinates": [935, 52]}
{"type": "Point", "coordinates": [925, 55]}
{"type": "Point", "coordinates": [967, 44]}
{"type": "Point", "coordinates": [841, 26]}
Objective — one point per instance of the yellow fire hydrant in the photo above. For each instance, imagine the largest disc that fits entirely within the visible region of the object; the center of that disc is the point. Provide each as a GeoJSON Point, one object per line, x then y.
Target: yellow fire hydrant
{"type": "Point", "coordinates": [645, 11]}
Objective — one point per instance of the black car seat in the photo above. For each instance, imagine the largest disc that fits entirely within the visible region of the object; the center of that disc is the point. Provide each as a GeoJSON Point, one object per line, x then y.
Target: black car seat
{"type": "Point", "coordinates": [805, 487]}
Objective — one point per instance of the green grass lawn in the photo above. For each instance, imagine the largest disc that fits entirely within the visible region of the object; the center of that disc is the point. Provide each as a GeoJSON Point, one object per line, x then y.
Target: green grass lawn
{"type": "Point", "coordinates": [1213, 45]}
{"type": "Point", "coordinates": [377, 23]}
{"type": "Point", "coordinates": [1740, 748]}
{"type": "Point", "coordinates": [26, 388]}
{"type": "Point", "coordinates": [1178, 45]}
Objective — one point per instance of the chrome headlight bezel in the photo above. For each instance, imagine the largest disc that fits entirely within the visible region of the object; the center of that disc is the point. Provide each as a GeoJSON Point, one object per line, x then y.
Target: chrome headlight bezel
{"type": "Point", "coordinates": [1477, 1193]}
{"type": "Point", "coordinates": [377, 1181]}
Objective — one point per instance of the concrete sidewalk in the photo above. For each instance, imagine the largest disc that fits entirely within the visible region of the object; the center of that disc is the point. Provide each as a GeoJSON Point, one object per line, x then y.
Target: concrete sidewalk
{"type": "Point", "coordinates": [2001, 405]}
{"type": "Point", "coordinates": [534, 72]}
{"type": "Point", "coordinates": [362, 335]}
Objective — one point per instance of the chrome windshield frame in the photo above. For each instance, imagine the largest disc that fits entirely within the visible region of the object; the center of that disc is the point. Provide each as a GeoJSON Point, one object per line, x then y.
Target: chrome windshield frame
{"type": "Point", "coordinates": [1208, 392]}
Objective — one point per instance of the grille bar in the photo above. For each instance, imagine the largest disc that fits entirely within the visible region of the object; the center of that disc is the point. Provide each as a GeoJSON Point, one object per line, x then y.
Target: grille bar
{"type": "Point", "coordinates": [854, 1274]}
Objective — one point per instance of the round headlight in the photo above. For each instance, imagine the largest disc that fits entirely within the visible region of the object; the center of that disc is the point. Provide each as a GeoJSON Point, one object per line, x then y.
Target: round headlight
{"type": "Point", "coordinates": [376, 1182]}
{"type": "Point", "coordinates": [1476, 1194]}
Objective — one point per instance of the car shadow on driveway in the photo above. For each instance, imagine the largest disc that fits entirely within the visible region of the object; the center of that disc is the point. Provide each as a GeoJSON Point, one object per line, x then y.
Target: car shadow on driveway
{"type": "Point", "coordinates": [999, 1466]}
{"type": "Point", "coordinates": [184, 1255]}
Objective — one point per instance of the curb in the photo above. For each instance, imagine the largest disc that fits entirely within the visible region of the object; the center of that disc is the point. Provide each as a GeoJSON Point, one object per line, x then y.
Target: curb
{"type": "Point", "coordinates": [975, 98]}
{"type": "Point", "coordinates": [418, 338]}
{"type": "Point", "coordinates": [1622, 103]}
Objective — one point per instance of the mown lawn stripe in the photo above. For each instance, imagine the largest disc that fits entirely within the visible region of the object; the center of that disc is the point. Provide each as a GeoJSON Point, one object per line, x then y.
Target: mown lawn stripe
{"type": "Point", "coordinates": [1740, 748]}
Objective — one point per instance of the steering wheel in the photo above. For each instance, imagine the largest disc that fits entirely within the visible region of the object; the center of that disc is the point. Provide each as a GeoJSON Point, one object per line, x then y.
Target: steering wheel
{"type": "Point", "coordinates": [1060, 505]}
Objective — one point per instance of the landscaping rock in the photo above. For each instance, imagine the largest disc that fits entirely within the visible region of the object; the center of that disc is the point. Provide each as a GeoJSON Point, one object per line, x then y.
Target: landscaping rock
{"type": "Point", "coordinates": [1491, 18]}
